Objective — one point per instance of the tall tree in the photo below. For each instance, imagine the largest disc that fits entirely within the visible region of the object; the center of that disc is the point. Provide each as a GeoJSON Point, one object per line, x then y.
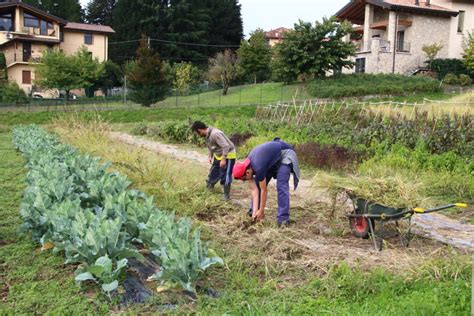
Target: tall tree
{"type": "Point", "coordinates": [255, 56]}
{"type": "Point", "coordinates": [146, 77]}
{"type": "Point", "coordinates": [69, 10]}
{"type": "Point", "coordinates": [180, 30]}
{"type": "Point", "coordinates": [226, 26]}
{"type": "Point", "coordinates": [100, 11]}
{"type": "Point", "coordinates": [223, 69]}
{"type": "Point", "coordinates": [132, 18]}
{"type": "Point", "coordinates": [188, 22]}
{"type": "Point", "coordinates": [312, 50]}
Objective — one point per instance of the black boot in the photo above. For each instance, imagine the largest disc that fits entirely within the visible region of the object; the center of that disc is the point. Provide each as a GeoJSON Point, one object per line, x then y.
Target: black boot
{"type": "Point", "coordinates": [227, 192]}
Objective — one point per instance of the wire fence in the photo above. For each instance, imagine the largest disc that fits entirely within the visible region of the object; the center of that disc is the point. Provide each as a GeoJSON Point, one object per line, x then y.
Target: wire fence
{"type": "Point", "coordinates": [203, 95]}
{"type": "Point", "coordinates": [308, 111]}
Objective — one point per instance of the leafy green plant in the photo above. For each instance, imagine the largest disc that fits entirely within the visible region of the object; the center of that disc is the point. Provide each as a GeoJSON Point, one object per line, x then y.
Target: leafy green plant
{"type": "Point", "coordinates": [103, 273]}
{"type": "Point", "coordinates": [180, 252]}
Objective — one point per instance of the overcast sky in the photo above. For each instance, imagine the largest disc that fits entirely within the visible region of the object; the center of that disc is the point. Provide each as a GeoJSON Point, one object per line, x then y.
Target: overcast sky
{"type": "Point", "coordinates": [270, 14]}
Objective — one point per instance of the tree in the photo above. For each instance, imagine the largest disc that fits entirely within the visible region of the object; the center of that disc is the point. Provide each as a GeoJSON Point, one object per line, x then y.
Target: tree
{"type": "Point", "coordinates": [311, 51]}
{"type": "Point", "coordinates": [100, 11]}
{"type": "Point", "coordinates": [223, 68]}
{"type": "Point", "coordinates": [69, 10]}
{"type": "Point", "coordinates": [112, 77]}
{"type": "Point", "coordinates": [468, 56]}
{"type": "Point", "coordinates": [66, 72]}
{"type": "Point", "coordinates": [185, 75]}
{"type": "Point", "coordinates": [226, 26]}
{"type": "Point", "coordinates": [146, 77]}
{"type": "Point", "coordinates": [180, 30]}
{"type": "Point", "coordinates": [431, 51]}
{"type": "Point", "coordinates": [255, 56]}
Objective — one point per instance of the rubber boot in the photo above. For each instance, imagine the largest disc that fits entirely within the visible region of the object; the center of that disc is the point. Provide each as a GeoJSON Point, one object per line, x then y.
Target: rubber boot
{"type": "Point", "coordinates": [226, 192]}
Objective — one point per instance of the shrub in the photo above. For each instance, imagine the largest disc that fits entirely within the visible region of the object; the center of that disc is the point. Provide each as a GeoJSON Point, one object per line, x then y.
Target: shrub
{"type": "Point", "coordinates": [445, 66]}
{"type": "Point", "coordinates": [464, 80]}
{"type": "Point", "coordinates": [355, 85]}
{"type": "Point", "coordinates": [12, 93]}
{"type": "Point", "coordinates": [451, 79]}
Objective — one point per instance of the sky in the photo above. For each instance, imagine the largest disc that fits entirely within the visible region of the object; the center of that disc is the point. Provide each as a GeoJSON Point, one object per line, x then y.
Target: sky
{"type": "Point", "coordinates": [271, 14]}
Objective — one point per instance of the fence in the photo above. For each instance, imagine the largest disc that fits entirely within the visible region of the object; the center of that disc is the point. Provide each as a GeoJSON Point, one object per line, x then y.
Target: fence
{"type": "Point", "coordinates": [261, 94]}
{"type": "Point", "coordinates": [307, 111]}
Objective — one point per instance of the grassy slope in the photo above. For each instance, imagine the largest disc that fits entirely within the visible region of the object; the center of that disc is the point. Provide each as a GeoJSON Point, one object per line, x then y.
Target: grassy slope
{"type": "Point", "coordinates": [30, 281]}
{"type": "Point", "coordinates": [246, 94]}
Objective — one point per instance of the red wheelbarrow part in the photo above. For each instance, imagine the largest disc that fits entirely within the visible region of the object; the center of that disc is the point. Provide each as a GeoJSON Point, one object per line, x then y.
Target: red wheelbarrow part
{"type": "Point", "coordinates": [360, 226]}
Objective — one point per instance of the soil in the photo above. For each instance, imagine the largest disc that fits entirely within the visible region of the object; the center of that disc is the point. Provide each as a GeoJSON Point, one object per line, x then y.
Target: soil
{"type": "Point", "coordinates": [320, 236]}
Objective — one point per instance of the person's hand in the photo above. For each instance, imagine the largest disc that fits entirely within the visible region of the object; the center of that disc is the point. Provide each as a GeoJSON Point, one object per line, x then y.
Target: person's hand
{"type": "Point", "coordinates": [210, 159]}
{"type": "Point", "coordinates": [223, 163]}
{"type": "Point", "coordinates": [258, 215]}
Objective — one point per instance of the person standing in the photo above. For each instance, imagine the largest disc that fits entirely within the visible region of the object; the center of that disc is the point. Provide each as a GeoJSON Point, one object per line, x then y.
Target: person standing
{"type": "Point", "coordinates": [275, 159]}
{"type": "Point", "coordinates": [222, 156]}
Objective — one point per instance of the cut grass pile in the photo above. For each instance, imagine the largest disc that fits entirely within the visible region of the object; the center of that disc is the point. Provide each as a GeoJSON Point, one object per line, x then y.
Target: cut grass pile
{"type": "Point", "coordinates": [392, 191]}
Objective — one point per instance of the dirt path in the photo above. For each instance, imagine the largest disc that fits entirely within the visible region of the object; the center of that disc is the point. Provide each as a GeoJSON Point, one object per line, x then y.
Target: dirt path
{"type": "Point", "coordinates": [433, 226]}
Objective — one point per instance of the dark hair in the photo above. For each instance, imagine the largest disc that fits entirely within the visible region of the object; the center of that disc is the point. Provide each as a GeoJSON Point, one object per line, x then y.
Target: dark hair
{"type": "Point", "coordinates": [198, 125]}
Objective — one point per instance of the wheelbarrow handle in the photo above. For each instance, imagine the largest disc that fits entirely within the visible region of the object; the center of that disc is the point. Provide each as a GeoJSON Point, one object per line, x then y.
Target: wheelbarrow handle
{"type": "Point", "coordinates": [439, 208]}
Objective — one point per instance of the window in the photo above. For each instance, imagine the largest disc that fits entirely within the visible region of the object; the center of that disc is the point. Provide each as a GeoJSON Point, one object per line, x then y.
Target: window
{"type": "Point", "coordinates": [30, 21]}
{"type": "Point", "coordinates": [401, 45]}
{"type": "Point", "coordinates": [26, 77]}
{"type": "Point", "coordinates": [50, 26]}
{"type": "Point", "coordinates": [88, 39]}
{"type": "Point", "coordinates": [360, 65]}
{"type": "Point", "coordinates": [6, 22]}
{"type": "Point", "coordinates": [461, 21]}
{"type": "Point", "coordinates": [43, 28]}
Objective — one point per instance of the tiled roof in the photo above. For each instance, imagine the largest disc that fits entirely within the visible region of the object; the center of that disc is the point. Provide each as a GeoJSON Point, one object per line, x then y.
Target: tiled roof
{"type": "Point", "coordinates": [89, 27]}
{"type": "Point", "coordinates": [276, 33]}
{"type": "Point", "coordinates": [422, 4]}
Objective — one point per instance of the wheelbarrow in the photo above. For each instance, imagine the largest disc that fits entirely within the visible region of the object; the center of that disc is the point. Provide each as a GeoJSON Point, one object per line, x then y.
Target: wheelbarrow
{"type": "Point", "coordinates": [365, 214]}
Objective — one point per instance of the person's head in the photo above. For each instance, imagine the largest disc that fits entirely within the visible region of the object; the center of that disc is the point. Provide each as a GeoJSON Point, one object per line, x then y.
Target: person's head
{"type": "Point", "coordinates": [199, 128]}
{"type": "Point", "coordinates": [242, 170]}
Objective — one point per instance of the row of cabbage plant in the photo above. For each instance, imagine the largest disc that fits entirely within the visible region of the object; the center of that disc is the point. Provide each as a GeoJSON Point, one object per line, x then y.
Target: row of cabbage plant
{"type": "Point", "coordinates": [74, 205]}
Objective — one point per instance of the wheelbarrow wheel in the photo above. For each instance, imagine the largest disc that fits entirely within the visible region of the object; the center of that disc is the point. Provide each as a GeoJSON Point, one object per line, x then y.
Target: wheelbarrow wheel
{"type": "Point", "coordinates": [360, 226]}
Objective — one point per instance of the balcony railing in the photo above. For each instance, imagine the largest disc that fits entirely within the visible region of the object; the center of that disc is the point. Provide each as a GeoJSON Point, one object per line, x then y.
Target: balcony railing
{"type": "Point", "coordinates": [37, 31]}
{"type": "Point", "coordinates": [403, 47]}
{"type": "Point", "coordinates": [22, 57]}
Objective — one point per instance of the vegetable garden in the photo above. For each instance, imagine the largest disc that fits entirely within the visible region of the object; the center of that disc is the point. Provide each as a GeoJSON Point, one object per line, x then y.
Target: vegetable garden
{"type": "Point", "coordinates": [72, 203]}
{"type": "Point", "coordinates": [85, 211]}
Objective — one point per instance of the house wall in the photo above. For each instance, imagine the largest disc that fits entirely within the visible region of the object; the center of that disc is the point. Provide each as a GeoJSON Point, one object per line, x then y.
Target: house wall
{"type": "Point", "coordinates": [73, 40]}
{"type": "Point", "coordinates": [457, 39]}
{"type": "Point", "coordinates": [15, 73]}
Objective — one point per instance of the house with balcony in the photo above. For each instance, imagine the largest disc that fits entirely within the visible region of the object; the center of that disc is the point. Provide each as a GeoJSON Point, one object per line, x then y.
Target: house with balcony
{"type": "Point", "coordinates": [26, 32]}
{"type": "Point", "coordinates": [390, 34]}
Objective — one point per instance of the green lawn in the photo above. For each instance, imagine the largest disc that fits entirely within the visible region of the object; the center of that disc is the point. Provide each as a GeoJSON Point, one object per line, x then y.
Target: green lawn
{"type": "Point", "coordinates": [31, 281]}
